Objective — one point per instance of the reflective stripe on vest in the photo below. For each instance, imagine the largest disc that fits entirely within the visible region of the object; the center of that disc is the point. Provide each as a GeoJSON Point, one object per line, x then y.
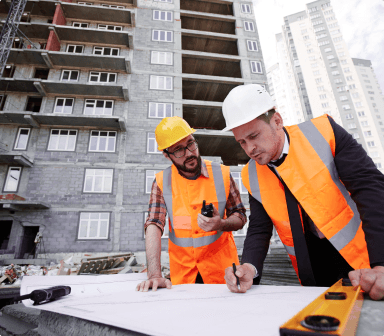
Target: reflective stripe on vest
{"type": "Point", "coordinates": [323, 150]}
{"type": "Point", "coordinates": [221, 197]}
{"type": "Point", "coordinates": [290, 250]}
{"type": "Point", "coordinates": [254, 181]}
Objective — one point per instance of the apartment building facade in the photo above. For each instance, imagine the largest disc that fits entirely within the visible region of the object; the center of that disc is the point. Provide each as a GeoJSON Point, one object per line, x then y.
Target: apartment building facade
{"type": "Point", "coordinates": [326, 77]}
{"type": "Point", "coordinates": [85, 86]}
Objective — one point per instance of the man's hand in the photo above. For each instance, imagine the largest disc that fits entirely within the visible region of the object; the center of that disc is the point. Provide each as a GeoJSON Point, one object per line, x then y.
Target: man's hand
{"type": "Point", "coordinates": [154, 283]}
{"type": "Point", "coordinates": [245, 273]}
{"type": "Point", "coordinates": [210, 223]}
{"type": "Point", "coordinates": [370, 280]}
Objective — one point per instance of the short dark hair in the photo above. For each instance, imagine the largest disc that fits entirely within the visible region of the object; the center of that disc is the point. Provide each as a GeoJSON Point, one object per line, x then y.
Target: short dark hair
{"type": "Point", "coordinates": [267, 116]}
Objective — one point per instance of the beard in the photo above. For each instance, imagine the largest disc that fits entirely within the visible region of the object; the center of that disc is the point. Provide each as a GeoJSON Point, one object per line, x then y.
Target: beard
{"type": "Point", "coordinates": [182, 167]}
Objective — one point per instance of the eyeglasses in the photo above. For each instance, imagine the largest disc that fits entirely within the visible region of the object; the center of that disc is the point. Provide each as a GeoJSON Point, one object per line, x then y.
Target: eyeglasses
{"type": "Point", "coordinates": [192, 146]}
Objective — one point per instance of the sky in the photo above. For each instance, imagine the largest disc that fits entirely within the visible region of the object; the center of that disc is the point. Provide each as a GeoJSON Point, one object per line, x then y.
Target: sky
{"type": "Point", "coordinates": [361, 23]}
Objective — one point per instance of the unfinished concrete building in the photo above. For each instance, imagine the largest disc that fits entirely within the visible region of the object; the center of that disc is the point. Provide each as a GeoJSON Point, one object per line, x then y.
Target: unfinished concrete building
{"type": "Point", "coordinates": [85, 86]}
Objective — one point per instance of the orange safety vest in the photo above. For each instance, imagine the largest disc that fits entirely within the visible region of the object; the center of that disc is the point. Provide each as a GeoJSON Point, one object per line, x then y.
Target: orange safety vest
{"type": "Point", "coordinates": [191, 249]}
{"type": "Point", "coordinates": [310, 173]}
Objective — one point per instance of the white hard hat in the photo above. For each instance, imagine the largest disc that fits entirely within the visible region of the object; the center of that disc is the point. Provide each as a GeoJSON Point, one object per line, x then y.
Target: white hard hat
{"type": "Point", "coordinates": [245, 103]}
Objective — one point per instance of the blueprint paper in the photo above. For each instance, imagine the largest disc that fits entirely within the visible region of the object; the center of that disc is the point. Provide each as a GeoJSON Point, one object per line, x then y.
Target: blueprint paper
{"type": "Point", "coordinates": [183, 310]}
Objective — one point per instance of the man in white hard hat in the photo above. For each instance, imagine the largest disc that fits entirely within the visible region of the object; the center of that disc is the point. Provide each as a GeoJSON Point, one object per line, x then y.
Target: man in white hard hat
{"type": "Point", "coordinates": [317, 186]}
{"type": "Point", "coordinates": [200, 247]}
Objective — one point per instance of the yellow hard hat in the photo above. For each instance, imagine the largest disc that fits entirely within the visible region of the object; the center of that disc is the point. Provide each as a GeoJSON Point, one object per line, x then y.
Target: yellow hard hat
{"type": "Point", "coordinates": [171, 130]}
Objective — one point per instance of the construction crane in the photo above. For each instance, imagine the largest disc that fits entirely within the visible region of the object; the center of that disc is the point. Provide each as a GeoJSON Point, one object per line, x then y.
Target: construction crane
{"type": "Point", "coordinates": [10, 28]}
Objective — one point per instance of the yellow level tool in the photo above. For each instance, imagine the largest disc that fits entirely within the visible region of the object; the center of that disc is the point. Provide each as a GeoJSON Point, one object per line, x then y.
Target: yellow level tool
{"type": "Point", "coordinates": [335, 312]}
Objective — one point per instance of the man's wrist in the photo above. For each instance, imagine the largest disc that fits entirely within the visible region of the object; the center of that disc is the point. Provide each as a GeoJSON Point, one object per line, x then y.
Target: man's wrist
{"type": "Point", "coordinates": [255, 274]}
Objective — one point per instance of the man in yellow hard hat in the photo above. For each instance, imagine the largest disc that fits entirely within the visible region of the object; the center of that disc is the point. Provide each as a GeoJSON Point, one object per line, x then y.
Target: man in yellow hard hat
{"type": "Point", "coordinates": [200, 247]}
{"type": "Point", "coordinates": [317, 186]}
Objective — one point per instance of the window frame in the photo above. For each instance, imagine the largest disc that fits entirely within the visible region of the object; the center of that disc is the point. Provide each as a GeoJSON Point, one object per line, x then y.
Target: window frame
{"type": "Point", "coordinates": [237, 177]}
{"type": "Point", "coordinates": [65, 100]}
{"type": "Point", "coordinates": [97, 150]}
{"type": "Point", "coordinates": [165, 13]}
{"type": "Point", "coordinates": [247, 7]}
{"type": "Point", "coordinates": [94, 178]}
{"type": "Point", "coordinates": [103, 48]}
{"type": "Point", "coordinates": [106, 27]}
{"type": "Point", "coordinates": [98, 75]}
{"type": "Point", "coordinates": [166, 53]}
{"type": "Point", "coordinates": [94, 109]}
{"type": "Point", "coordinates": [255, 65]}
{"type": "Point", "coordinates": [249, 24]}
{"type": "Point", "coordinates": [70, 74]}
{"type": "Point", "coordinates": [152, 82]}
{"type": "Point", "coordinates": [159, 35]}
{"type": "Point", "coordinates": [74, 47]}
{"type": "Point", "coordinates": [77, 24]}
{"type": "Point", "coordinates": [18, 137]}
{"type": "Point", "coordinates": [252, 42]}
{"type": "Point", "coordinates": [157, 104]}
{"type": "Point", "coordinates": [99, 225]}
{"type": "Point", "coordinates": [20, 169]}
{"type": "Point", "coordinates": [67, 141]}
{"type": "Point", "coordinates": [156, 145]}
{"type": "Point", "coordinates": [148, 186]}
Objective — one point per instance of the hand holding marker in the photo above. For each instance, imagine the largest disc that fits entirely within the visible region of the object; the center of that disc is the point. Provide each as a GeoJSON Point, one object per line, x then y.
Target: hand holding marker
{"type": "Point", "coordinates": [237, 278]}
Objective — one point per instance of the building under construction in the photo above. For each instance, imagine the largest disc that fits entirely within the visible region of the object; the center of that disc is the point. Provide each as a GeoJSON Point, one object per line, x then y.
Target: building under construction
{"type": "Point", "coordinates": [83, 89]}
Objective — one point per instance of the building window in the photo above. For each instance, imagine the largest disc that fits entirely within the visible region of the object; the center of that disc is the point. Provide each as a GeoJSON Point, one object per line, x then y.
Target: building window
{"type": "Point", "coordinates": [324, 105]}
{"type": "Point", "coordinates": [160, 110]}
{"type": "Point", "coordinates": [332, 65]}
{"type": "Point", "coordinates": [64, 105]}
{"type": "Point", "coordinates": [371, 143]}
{"type": "Point", "coordinates": [62, 140]}
{"type": "Point", "coordinates": [22, 139]}
{"type": "Point", "coordinates": [252, 45]}
{"type": "Point", "coordinates": [152, 144]}
{"type": "Point", "coordinates": [355, 95]}
{"type": "Point", "coordinates": [162, 35]}
{"type": "Point", "coordinates": [80, 25]}
{"type": "Point", "coordinates": [356, 135]}
{"type": "Point", "coordinates": [113, 6]}
{"type": "Point", "coordinates": [106, 51]}
{"type": "Point", "coordinates": [245, 8]}
{"type": "Point", "coordinates": [34, 104]}
{"type": "Point", "coordinates": [335, 73]}
{"type": "Point", "coordinates": [149, 177]}
{"type": "Point", "coordinates": [349, 116]}
{"type": "Point", "coordinates": [318, 80]}
{"type": "Point", "coordinates": [320, 88]}
{"type": "Point", "coordinates": [102, 77]}
{"type": "Point", "coordinates": [352, 86]}
{"type": "Point", "coordinates": [343, 62]}
{"type": "Point", "coordinates": [364, 123]}
{"type": "Point", "coordinates": [237, 177]}
{"type": "Point", "coordinates": [343, 98]}
{"type": "Point", "coordinates": [102, 141]}
{"type": "Point", "coordinates": [170, 1]}
{"type": "Point", "coordinates": [69, 76]}
{"type": "Point", "coordinates": [256, 67]}
{"type": "Point", "coordinates": [249, 26]}
{"type": "Point", "coordinates": [378, 165]}
{"type": "Point", "coordinates": [162, 15]}
{"type": "Point", "coordinates": [327, 50]}
{"type": "Point", "coordinates": [367, 133]}
{"type": "Point", "coordinates": [161, 83]}
{"type": "Point", "coordinates": [342, 89]}
{"type": "Point", "coordinates": [352, 126]}
{"type": "Point", "coordinates": [13, 178]}
{"type": "Point", "coordinates": [75, 49]}
{"type": "Point", "coordinates": [363, 75]}
{"type": "Point", "coordinates": [374, 154]}
{"type": "Point", "coordinates": [338, 80]}
{"type": "Point", "coordinates": [98, 107]}
{"type": "Point", "coordinates": [98, 180]}
{"type": "Point", "coordinates": [162, 57]}
{"type": "Point", "coordinates": [323, 96]}
{"type": "Point", "coordinates": [347, 70]}
{"type": "Point", "coordinates": [330, 57]}
{"type": "Point", "coordinates": [109, 27]}
{"type": "Point", "coordinates": [93, 225]}
{"type": "Point", "coordinates": [361, 114]}
{"type": "Point", "coordinates": [358, 104]}
{"type": "Point", "coordinates": [9, 71]}
{"type": "Point", "coordinates": [85, 3]}
{"type": "Point", "coordinates": [346, 107]}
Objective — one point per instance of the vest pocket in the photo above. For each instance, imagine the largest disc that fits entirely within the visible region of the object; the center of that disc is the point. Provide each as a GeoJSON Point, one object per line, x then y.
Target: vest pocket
{"type": "Point", "coordinates": [182, 223]}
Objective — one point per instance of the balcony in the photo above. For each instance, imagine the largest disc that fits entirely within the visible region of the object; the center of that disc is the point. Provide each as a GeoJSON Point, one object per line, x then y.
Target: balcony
{"type": "Point", "coordinates": [214, 7]}
{"type": "Point", "coordinates": [49, 88]}
{"type": "Point", "coordinates": [15, 159]}
{"type": "Point", "coordinates": [94, 13]}
{"type": "Point", "coordinates": [209, 43]}
{"type": "Point", "coordinates": [203, 115]}
{"type": "Point", "coordinates": [193, 21]}
{"type": "Point", "coordinates": [55, 119]}
{"type": "Point", "coordinates": [55, 59]}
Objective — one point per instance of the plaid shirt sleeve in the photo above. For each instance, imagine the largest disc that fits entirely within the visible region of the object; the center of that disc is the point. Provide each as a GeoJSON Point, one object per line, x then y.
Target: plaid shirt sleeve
{"type": "Point", "coordinates": [157, 210]}
{"type": "Point", "coordinates": [234, 206]}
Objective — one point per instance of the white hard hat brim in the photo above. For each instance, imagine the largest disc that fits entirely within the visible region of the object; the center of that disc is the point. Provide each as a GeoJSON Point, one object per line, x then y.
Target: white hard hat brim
{"type": "Point", "coordinates": [244, 121]}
